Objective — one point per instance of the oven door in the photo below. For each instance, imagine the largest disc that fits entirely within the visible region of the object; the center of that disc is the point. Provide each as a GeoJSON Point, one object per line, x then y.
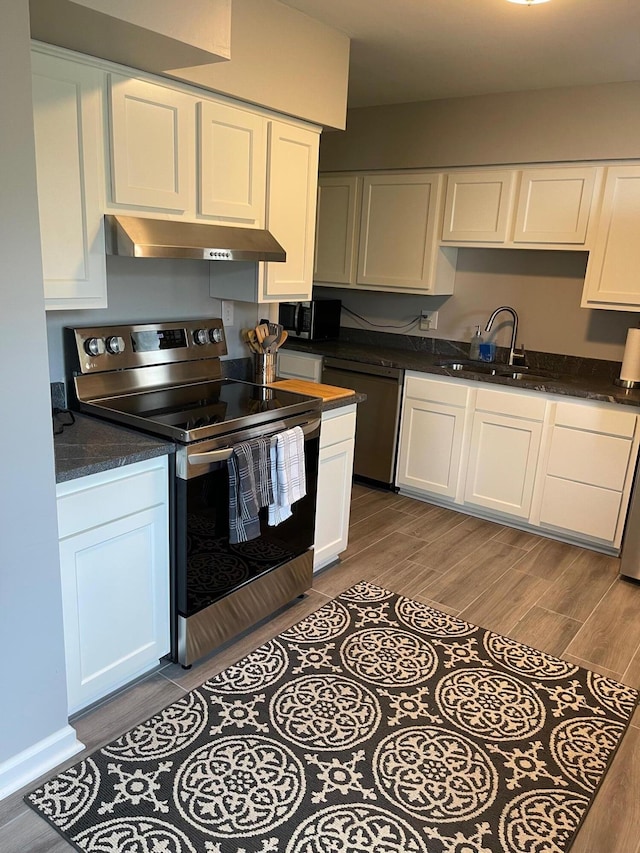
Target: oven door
{"type": "Point", "coordinates": [223, 588]}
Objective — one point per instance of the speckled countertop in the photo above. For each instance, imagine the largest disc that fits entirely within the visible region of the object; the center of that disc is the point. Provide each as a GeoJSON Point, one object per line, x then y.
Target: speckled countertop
{"type": "Point", "coordinates": [570, 376]}
{"type": "Point", "coordinates": [91, 445]}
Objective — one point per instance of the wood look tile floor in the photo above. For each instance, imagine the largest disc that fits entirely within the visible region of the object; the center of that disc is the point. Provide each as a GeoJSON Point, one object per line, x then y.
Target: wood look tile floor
{"type": "Point", "coordinates": [563, 599]}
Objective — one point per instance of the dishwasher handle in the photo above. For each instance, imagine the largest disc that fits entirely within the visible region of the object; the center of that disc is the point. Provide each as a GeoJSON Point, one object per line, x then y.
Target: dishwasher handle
{"type": "Point", "coordinates": [360, 367]}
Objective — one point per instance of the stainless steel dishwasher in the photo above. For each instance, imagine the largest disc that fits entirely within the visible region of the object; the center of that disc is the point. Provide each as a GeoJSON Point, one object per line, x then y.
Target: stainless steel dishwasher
{"type": "Point", "coordinates": [377, 418]}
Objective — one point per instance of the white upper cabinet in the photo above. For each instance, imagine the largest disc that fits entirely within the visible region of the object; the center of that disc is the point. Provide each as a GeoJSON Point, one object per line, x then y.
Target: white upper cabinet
{"type": "Point", "coordinates": [527, 208]}
{"type": "Point", "coordinates": [398, 231]}
{"type": "Point", "coordinates": [337, 224]}
{"type": "Point", "coordinates": [232, 152]}
{"type": "Point", "coordinates": [612, 280]}
{"type": "Point", "coordinates": [151, 144]}
{"type": "Point", "coordinates": [67, 104]}
{"type": "Point", "coordinates": [292, 183]}
{"type": "Point", "coordinates": [554, 205]}
{"type": "Point", "coordinates": [477, 206]}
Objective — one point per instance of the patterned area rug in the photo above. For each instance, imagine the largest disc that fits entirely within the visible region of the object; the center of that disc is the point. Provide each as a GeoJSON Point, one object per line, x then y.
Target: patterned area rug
{"type": "Point", "coordinates": [375, 725]}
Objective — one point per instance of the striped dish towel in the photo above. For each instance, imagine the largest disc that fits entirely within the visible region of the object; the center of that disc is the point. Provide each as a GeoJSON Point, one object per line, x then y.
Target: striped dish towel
{"type": "Point", "coordinates": [287, 473]}
{"type": "Point", "coordinates": [250, 488]}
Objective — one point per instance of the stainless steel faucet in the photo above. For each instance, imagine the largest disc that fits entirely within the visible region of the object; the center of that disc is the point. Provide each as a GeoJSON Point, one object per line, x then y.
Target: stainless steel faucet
{"type": "Point", "coordinates": [513, 353]}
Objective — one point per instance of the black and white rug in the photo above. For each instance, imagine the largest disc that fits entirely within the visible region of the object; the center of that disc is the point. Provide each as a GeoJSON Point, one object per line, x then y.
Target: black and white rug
{"type": "Point", "coordinates": [375, 725]}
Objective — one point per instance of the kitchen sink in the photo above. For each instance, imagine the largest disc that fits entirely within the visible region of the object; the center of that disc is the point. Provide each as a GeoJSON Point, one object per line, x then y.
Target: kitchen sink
{"type": "Point", "coordinates": [490, 369]}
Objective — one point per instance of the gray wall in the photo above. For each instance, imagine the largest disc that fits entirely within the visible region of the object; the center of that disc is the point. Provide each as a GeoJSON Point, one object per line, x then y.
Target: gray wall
{"type": "Point", "coordinates": [573, 124]}
{"type": "Point", "coordinates": [144, 290]}
{"type": "Point", "coordinates": [543, 287]}
{"type": "Point", "coordinates": [578, 123]}
{"type": "Point", "coordinates": [33, 703]}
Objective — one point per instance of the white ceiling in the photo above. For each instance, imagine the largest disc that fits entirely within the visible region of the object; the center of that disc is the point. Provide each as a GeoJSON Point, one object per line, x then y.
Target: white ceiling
{"type": "Point", "coordinates": [416, 50]}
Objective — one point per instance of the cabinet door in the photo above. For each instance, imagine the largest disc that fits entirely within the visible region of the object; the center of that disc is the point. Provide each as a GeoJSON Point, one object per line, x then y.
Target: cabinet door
{"type": "Point", "coordinates": [554, 205]}
{"type": "Point", "coordinates": [612, 279]}
{"type": "Point", "coordinates": [151, 144]}
{"type": "Point", "coordinates": [430, 447]}
{"type": "Point", "coordinates": [397, 230]}
{"type": "Point", "coordinates": [291, 211]}
{"type": "Point", "coordinates": [477, 207]}
{"type": "Point", "coordinates": [115, 603]}
{"type": "Point", "coordinates": [233, 164]}
{"type": "Point", "coordinates": [502, 464]}
{"type": "Point", "coordinates": [335, 473]}
{"type": "Point", "coordinates": [67, 103]}
{"type": "Point", "coordinates": [337, 229]}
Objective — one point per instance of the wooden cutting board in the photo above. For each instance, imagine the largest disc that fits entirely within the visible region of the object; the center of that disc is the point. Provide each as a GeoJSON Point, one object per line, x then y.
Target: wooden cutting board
{"type": "Point", "coordinates": [313, 389]}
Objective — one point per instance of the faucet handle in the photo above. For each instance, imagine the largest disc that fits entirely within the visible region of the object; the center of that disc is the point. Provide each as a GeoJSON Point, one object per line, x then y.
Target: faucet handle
{"type": "Point", "coordinates": [520, 356]}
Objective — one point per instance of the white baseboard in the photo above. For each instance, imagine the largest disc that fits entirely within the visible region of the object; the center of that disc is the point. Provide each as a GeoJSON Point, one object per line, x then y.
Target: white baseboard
{"type": "Point", "coordinates": [31, 763]}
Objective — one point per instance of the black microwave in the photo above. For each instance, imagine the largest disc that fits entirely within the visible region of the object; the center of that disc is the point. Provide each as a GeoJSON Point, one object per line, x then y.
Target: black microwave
{"type": "Point", "coordinates": [315, 320]}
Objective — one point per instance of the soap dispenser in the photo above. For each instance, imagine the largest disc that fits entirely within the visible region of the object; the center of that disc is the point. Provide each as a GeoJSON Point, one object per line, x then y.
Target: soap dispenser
{"type": "Point", "coordinates": [474, 346]}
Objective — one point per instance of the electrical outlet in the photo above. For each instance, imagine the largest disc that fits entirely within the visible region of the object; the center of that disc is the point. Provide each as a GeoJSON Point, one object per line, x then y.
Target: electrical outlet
{"type": "Point", "coordinates": [227, 312]}
{"type": "Point", "coordinates": [428, 320]}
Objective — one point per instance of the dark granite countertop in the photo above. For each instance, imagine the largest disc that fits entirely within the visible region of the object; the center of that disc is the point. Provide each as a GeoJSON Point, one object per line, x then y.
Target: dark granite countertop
{"type": "Point", "coordinates": [338, 403]}
{"type": "Point", "coordinates": [568, 376]}
{"type": "Point", "coordinates": [91, 445]}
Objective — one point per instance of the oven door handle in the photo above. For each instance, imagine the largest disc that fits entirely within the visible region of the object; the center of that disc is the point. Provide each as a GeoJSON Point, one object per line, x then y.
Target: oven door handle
{"type": "Point", "coordinates": [224, 453]}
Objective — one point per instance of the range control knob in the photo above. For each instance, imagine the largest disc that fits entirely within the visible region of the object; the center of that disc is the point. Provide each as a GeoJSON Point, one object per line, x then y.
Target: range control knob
{"type": "Point", "coordinates": [94, 346]}
{"type": "Point", "coordinates": [216, 335]}
{"type": "Point", "coordinates": [115, 345]}
{"type": "Point", "coordinates": [200, 336]}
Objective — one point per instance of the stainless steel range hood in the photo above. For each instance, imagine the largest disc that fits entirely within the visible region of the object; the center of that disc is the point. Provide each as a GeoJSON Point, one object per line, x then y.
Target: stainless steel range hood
{"type": "Point", "coordinates": [138, 237]}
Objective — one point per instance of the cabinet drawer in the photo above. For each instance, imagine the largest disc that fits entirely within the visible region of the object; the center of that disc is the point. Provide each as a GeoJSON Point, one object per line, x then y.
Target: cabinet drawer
{"type": "Point", "coordinates": [450, 393]}
{"type": "Point", "coordinates": [590, 417]}
{"type": "Point", "coordinates": [336, 429]}
{"type": "Point", "coordinates": [101, 498]}
{"type": "Point", "coordinates": [516, 405]}
{"type": "Point", "coordinates": [300, 366]}
{"type": "Point", "coordinates": [589, 457]}
{"type": "Point", "coordinates": [583, 509]}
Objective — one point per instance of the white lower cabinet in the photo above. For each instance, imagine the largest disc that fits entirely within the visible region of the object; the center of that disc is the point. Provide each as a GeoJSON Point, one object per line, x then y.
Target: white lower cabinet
{"type": "Point", "coordinates": [587, 468]}
{"type": "Point", "coordinates": [503, 455]}
{"type": "Point", "coordinates": [335, 471]}
{"type": "Point", "coordinates": [299, 365]}
{"type": "Point", "coordinates": [563, 468]}
{"type": "Point", "coordinates": [114, 560]}
{"type": "Point", "coordinates": [431, 436]}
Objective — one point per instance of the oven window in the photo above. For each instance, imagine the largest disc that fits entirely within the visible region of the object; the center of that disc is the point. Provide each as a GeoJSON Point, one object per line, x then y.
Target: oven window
{"type": "Point", "coordinates": [208, 567]}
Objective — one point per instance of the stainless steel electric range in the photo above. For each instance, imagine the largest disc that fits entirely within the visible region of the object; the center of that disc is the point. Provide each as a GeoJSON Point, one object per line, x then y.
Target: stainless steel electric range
{"type": "Point", "coordinates": [166, 379]}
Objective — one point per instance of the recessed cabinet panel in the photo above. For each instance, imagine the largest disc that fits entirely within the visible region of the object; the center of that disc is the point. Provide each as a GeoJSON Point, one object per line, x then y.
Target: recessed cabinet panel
{"type": "Point", "coordinates": [430, 447]}
{"type": "Point", "coordinates": [580, 508]}
{"type": "Point", "coordinates": [502, 463]}
{"type": "Point", "coordinates": [67, 104]}
{"type": "Point", "coordinates": [233, 162]}
{"type": "Point", "coordinates": [589, 457]}
{"type": "Point", "coordinates": [397, 225]}
{"type": "Point", "coordinates": [336, 229]}
{"type": "Point", "coordinates": [151, 138]}
{"type": "Point", "coordinates": [554, 205]}
{"type": "Point", "coordinates": [477, 206]}
{"type": "Point", "coordinates": [291, 210]}
{"type": "Point", "coordinates": [612, 271]}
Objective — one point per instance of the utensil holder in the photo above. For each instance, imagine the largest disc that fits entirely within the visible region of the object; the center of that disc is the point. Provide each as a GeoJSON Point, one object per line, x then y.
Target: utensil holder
{"type": "Point", "coordinates": [264, 367]}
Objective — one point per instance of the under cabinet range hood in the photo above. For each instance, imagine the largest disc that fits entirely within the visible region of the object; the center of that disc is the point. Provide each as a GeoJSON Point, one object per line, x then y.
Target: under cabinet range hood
{"type": "Point", "coordinates": [139, 237]}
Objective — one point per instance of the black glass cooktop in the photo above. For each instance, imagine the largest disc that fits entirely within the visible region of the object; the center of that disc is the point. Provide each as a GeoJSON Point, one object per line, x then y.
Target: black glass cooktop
{"type": "Point", "coordinates": [190, 409]}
